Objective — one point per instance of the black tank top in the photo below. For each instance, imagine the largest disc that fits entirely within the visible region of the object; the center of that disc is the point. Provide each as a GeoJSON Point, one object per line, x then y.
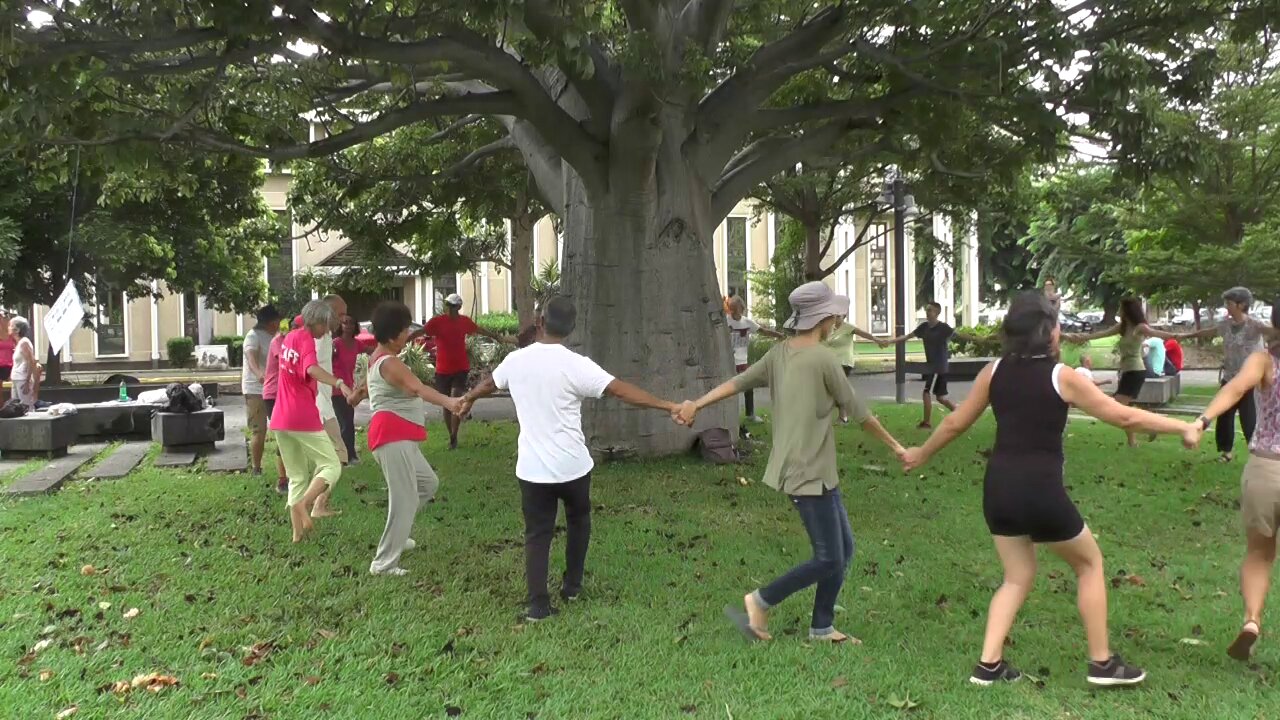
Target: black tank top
{"type": "Point", "coordinates": [1030, 414]}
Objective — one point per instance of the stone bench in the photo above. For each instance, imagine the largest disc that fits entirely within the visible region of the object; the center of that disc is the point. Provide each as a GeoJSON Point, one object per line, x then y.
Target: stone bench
{"type": "Point", "coordinates": [957, 369]}
{"type": "Point", "coordinates": [188, 431]}
{"type": "Point", "coordinates": [37, 435]}
{"type": "Point", "coordinates": [84, 394]}
{"type": "Point", "coordinates": [1159, 391]}
{"type": "Point", "coordinates": [114, 420]}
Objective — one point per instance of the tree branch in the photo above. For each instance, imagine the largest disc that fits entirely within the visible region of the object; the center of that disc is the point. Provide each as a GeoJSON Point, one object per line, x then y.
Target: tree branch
{"type": "Point", "coordinates": [596, 92]}
{"type": "Point", "coordinates": [858, 242]}
{"type": "Point", "coordinates": [852, 109]}
{"type": "Point", "coordinates": [706, 21]}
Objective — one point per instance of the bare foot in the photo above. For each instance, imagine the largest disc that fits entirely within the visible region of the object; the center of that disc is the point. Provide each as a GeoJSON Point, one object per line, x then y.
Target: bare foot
{"type": "Point", "coordinates": [757, 616]}
{"type": "Point", "coordinates": [324, 512]}
{"type": "Point", "coordinates": [300, 522]}
{"type": "Point", "coordinates": [836, 637]}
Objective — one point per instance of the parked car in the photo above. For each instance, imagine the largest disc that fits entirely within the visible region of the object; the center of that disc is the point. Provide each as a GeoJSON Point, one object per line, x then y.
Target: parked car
{"type": "Point", "coordinates": [1072, 323]}
{"type": "Point", "coordinates": [367, 342]}
{"type": "Point", "coordinates": [1093, 317]}
{"type": "Point", "coordinates": [1182, 316]}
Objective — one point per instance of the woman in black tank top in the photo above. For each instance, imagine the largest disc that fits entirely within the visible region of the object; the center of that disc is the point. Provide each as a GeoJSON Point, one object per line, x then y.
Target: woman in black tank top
{"type": "Point", "coordinates": [1023, 497]}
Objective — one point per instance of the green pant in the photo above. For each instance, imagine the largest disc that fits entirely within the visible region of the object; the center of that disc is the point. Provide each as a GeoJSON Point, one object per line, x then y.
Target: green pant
{"type": "Point", "coordinates": [307, 455]}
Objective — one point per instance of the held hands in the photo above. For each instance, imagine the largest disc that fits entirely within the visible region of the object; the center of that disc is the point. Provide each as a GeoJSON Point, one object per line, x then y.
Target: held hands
{"type": "Point", "coordinates": [912, 458]}
{"type": "Point", "coordinates": [459, 406]}
{"type": "Point", "coordinates": [883, 343]}
{"type": "Point", "coordinates": [1191, 434]}
{"type": "Point", "coordinates": [684, 413]}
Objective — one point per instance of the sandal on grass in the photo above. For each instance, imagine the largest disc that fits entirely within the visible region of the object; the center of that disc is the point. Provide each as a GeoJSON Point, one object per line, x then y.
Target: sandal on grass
{"type": "Point", "coordinates": [835, 638]}
{"type": "Point", "coordinates": [1242, 648]}
{"type": "Point", "coordinates": [743, 623]}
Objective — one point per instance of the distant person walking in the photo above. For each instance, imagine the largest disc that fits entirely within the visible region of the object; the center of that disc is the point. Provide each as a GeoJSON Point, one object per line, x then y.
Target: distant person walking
{"type": "Point", "coordinates": [841, 342]}
{"type": "Point", "coordinates": [345, 351]}
{"type": "Point", "coordinates": [453, 365]}
{"type": "Point", "coordinates": [253, 374]}
{"type": "Point", "coordinates": [1242, 335]}
{"type": "Point", "coordinates": [936, 336]}
{"type": "Point", "coordinates": [25, 375]}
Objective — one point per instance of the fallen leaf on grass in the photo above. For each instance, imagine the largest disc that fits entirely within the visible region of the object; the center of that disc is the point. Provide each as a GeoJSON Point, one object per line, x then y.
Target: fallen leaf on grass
{"type": "Point", "coordinates": [208, 676]}
{"type": "Point", "coordinates": [1192, 641]}
{"type": "Point", "coordinates": [104, 605]}
{"type": "Point", "coordinates": [905, 703]}
{"type": "Point", "coordinates": [839, 682]}
{"type": "Point", "coordinates": [743, 482]}
{"type": "Point", "coordinates": [132, 613]}
{"type": "Point", "coordinates": [452, 710]}
{"type": "Point", "coordinates": [311, 680]}
{"type": "Point", "coordinates": [88, 570]}
{"type": "Point", "coordinates": [257, 653]}
{"type": "Point", "coordinates": [154, 682]}
{"type": "Point", "coordinates": [326, 634]}
{"type": "Point", "coordinates": [392, 678]}
{"type": "Point", "coordinates": [66, 713]}
{"type": "Point", "coordinates": [46, 675]}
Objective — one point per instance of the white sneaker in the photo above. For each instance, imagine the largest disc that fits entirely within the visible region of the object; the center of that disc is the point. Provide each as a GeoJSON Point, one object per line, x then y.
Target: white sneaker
{"type": "Point", "coordinates": [393, 571]}
{"type": "Point", "coordinates": [410, 544]}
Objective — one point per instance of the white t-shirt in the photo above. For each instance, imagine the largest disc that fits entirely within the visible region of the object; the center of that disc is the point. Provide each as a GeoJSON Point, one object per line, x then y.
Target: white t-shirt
{"type": "Point", "coordinates": [1086, 373]}
{"type": "Point", "coordinates": [740, 332]}
{"type": "Point", "coordinates": [548, 383]}
{"type": "Point", "coordinates": [257, 343]}
{"type": "Point", "coordinates": [324, 393]}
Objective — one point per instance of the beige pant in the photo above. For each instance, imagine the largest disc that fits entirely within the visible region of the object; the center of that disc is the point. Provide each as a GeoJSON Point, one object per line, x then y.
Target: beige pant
{"type": "Point", "coordinates": [335, 434]}
{"type": "Point", "coordinates": [1260, 495]}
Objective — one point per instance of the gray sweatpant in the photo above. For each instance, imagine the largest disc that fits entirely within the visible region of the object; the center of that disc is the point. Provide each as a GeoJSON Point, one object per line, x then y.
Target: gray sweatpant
{"type": "Point", "coordinates": [411, 483]}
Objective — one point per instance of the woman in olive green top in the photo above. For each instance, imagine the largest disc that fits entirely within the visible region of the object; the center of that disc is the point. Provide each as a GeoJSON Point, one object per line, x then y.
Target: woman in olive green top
{"type": "Point", "coordinates": [841, 343]}
{"type": "Point", "coordinates": [1133, 330]}
{"type": "Point", "coordinates": [809, 393]}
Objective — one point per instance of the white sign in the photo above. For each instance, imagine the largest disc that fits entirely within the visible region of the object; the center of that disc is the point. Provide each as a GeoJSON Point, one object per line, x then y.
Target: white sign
{"type": "Point", "coordinates": [212, 357]}
{"type": "Point", "coordinates": [64, 317]}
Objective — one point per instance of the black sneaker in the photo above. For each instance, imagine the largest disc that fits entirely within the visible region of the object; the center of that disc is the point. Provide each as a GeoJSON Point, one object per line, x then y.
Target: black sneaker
{"type": "Point", "coordinates": [1115, 672]}
{"type": "Point", "coordinates": [570, 594]}
{"type": "Point", "coordinates": [991, 674]}
{"type": "Point", "coordinates": [539, 614]}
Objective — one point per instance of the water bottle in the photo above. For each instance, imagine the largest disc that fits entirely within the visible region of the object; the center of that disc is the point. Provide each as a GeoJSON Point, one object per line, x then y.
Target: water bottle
{"type": "Point", "coordinates": [124, 393]}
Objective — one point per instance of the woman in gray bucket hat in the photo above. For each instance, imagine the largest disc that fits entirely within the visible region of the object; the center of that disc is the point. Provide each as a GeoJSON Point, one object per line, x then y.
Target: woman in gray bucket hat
{"type": "Point", "coordinates": [1242, 335]}
{"type": "Point", "coordinates": [810, 391]}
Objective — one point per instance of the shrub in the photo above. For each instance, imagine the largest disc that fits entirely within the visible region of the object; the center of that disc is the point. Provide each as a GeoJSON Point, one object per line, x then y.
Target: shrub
{"type": "Point", "coordinates": [985, 344]}
{"type": "Point", "coordinates": [759, 346]}
{"type": "Point", "coordinates": [235, 348]}
{"type": "Point", "coordinates": [415, 358]}
{"type": "Point", "coordinates": [500, 323]}
{"type": "Point", "coordinates": [182, 350]}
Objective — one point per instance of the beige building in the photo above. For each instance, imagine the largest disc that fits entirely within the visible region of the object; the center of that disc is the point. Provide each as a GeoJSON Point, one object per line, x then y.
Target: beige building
{"type": "Point", "coordinates": [134, 333]}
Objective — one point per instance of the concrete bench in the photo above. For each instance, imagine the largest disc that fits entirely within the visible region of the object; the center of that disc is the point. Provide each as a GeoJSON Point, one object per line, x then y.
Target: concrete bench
{"type": "Point", "coordinates": [114, 420]}
{"type": "Point", "coordinates": [188, 431]}
{"type": "Point", "coordinates": [82, 394]}
{"type": "Point", "coordinates": [957, 369]}
{"type": "Point", "coordinates": [37, 435]}
{"type": "Point", "coordinates": [1159, 391]}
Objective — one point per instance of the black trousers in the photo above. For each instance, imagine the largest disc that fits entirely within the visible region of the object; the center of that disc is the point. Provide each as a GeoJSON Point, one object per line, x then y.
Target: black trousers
{"type": "Point", "coordinates": [346, 424]}
{"type": "Point", "coordinates": [541, 504]}
{"type": "Point", "coordinates": [1225, 430]}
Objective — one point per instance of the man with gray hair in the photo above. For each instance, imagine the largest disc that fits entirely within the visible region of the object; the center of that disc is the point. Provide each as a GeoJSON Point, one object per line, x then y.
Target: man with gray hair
{"type": "Point", "coordinates": [1242, 335]}
{"type": "Point", "coordinates": [548, 383]}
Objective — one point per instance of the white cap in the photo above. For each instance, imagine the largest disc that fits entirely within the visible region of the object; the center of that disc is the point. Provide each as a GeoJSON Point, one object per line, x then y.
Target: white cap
{"type": "Point", "coordinates": [454, 299]}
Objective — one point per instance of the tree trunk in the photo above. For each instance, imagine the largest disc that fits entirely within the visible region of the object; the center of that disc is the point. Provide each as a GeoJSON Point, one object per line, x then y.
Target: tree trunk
{"type": "Point", "coordinates": [522, 265]}
{"type": "Point", "coordinates": [1109, 311]}
{"type": "Point", "coordinates": [812, 252]}
{"type": "Point", "coordinates": [638, 265]}
{"type": "Point", "coordinates": [52, 368]}
{"type": "Point", "coordinates": [1195, 311]}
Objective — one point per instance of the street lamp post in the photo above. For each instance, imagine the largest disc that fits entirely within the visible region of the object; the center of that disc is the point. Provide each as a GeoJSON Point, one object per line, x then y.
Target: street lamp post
{"type": "Point", "coordinates": [899, 289]}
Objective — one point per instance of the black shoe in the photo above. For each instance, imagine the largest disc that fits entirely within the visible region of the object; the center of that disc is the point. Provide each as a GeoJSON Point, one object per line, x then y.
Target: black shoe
{"type": "Point", "coordinates": [570, 594]}
{"type": "Point", "coordinates": [453, 443]}
{"type": "Point", "coordinates": [541, 613]}
{"type": "Point", "coordinates": [989, 675]}
{"type": "Point", "coordinates": [1115, 672]}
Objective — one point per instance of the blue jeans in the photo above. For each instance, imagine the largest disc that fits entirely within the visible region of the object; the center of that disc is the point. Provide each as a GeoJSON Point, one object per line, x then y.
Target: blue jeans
{"type": "Point", "coordinates": [831, 537]}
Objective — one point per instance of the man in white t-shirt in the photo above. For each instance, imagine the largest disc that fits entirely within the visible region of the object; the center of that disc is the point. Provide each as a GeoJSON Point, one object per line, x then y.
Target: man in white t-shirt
{"type": "Point", "coordinates": [741, 328]}
{"type": "Point", "coordinates": [548, 383]}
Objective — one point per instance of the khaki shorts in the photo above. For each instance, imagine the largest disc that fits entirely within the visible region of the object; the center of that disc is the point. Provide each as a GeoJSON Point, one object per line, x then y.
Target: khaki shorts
{"type": "Point", "coordinates": [1260, 495]}
{"type": "Point", "coordinates": [335, 434]}
{"type": "Point", "coordinates": [255, 409]}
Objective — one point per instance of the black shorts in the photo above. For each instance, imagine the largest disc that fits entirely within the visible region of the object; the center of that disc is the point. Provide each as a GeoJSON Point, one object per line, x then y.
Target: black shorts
{"type": "Point", "coordinates": [453, 384]}
{"type": "Point", "coordinates": [1131, 383]}
{"type": "Point", "coordinates": [1024, 497]}
{"type": "Point", "coordinates": [5, 370]}
{"type": "Point", "coordinates": [270, 403]}
{"type": "Point", "coordinates": [936, 384]}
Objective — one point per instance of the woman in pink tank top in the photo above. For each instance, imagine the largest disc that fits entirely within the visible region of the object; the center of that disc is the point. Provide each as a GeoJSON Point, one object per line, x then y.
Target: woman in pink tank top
{"type": "Point", "coordinates": [1260, 484]}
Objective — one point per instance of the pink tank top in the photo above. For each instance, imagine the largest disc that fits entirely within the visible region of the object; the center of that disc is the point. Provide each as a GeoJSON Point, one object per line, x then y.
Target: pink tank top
{"type": "Point", "coordinates": [1266, 437]}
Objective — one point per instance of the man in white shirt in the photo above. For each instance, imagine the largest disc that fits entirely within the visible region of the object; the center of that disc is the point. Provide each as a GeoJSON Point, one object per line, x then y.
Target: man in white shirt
{"type": "Point", "coordinates": [548, 382]}
{"type": "Point", "coordinates": [257, 343]}
{"type": "Point", "coordinates": [324, 400]}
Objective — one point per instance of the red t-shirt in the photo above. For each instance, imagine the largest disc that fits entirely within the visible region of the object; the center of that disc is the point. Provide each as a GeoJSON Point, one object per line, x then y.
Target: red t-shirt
{"type": "Point", "coordinates": [1173, 349]}
{"type": "Point", "coordinates": [451, 334]}
{"type": "Point", "coordinates": [296, 390]}
{"type": "Point", "coordinates": [344, 362]}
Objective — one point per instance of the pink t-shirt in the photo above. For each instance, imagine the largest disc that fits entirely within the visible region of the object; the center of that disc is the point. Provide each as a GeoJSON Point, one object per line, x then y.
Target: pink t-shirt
{"type": "Point", "coordinates": [344, 361]}
{"type": "Point", "coordinates": [271, 377]}
{"type": "Point", "coordinates": [7, 344]}
{"type": "Point", "coordinates": [296, 390]}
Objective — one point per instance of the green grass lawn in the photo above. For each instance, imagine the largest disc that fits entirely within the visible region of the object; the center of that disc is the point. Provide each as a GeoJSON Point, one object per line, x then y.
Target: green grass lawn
{"type": "Point", "coordinates": [206, 561]}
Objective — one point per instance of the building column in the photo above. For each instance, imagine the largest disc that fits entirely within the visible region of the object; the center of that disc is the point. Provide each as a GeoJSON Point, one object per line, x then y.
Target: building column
{"type": "Point", "coordinates": [944, 269]}
{"type": "Point", "coordinates": [971, 280]}
{"type": "Point", "coordinates": [155, 324]}
{"type": "Point", "coordinates": [772, 235]}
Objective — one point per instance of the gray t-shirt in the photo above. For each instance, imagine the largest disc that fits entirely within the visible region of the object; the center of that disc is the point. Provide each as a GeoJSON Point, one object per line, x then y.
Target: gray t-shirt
{"type": "Point", "coordinates": [1238, 343]}
{"type": "Point", "coordinates": [257, 344]}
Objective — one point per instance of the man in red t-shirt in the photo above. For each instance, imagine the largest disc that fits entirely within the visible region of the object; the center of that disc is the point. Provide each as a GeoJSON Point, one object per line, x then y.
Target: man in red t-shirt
{"type": "Point", "coordinates": [453, 366]}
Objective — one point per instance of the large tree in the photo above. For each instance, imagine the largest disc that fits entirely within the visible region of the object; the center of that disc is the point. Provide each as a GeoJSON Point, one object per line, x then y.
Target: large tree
{"type": "Point", "coordinates": [426, 192]}
{"type": "Point", "coordinates": [643, 122]}
{"type": "Point", "coordinates": [132, 222]}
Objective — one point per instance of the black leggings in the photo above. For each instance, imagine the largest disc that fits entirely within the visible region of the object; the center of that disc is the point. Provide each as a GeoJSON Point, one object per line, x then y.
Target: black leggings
{"type": "Point", "coordinates": [1225, 430]}
{"type": "Point", "coordinates": [346, 424]}
{"type": "Point", "coordinates": [541, 504]}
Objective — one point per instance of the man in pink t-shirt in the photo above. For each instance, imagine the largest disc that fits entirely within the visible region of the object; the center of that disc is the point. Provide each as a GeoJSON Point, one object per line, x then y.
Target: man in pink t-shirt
{"type": "Point", "coordinates": [310, 460]}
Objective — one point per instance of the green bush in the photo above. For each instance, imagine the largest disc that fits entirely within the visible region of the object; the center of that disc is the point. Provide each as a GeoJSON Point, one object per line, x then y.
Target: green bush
{"type": "Point", "coordinates": [235, 348]}
{"type": "Point", "coordinates": [500, 323]}
{"type": "Point", "coordinates": [759, 346]}
{"type": "Point", "coordinates": [418, 362]}
{"type": "Point", "coordinates": [182, 350]}
{"type": "Point", "coordinates": [986, 342]}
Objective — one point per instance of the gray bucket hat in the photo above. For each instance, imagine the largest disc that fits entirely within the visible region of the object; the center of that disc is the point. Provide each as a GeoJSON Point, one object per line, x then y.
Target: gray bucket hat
{"type": "Point", "coordinates": [812, 303]}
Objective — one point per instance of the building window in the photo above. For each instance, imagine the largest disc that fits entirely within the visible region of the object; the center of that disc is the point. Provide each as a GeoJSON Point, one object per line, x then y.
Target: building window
{"type": "Point", "coordinates": [191, 316]}
{"type": "Point", "coordinates": [109, 323]}
{"type": "Point", "coordinates": [879, 276]}
{"type": "Point", "coordinates": [280, 263]}
{"type": "Point", "coordinates": [736, 256]}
